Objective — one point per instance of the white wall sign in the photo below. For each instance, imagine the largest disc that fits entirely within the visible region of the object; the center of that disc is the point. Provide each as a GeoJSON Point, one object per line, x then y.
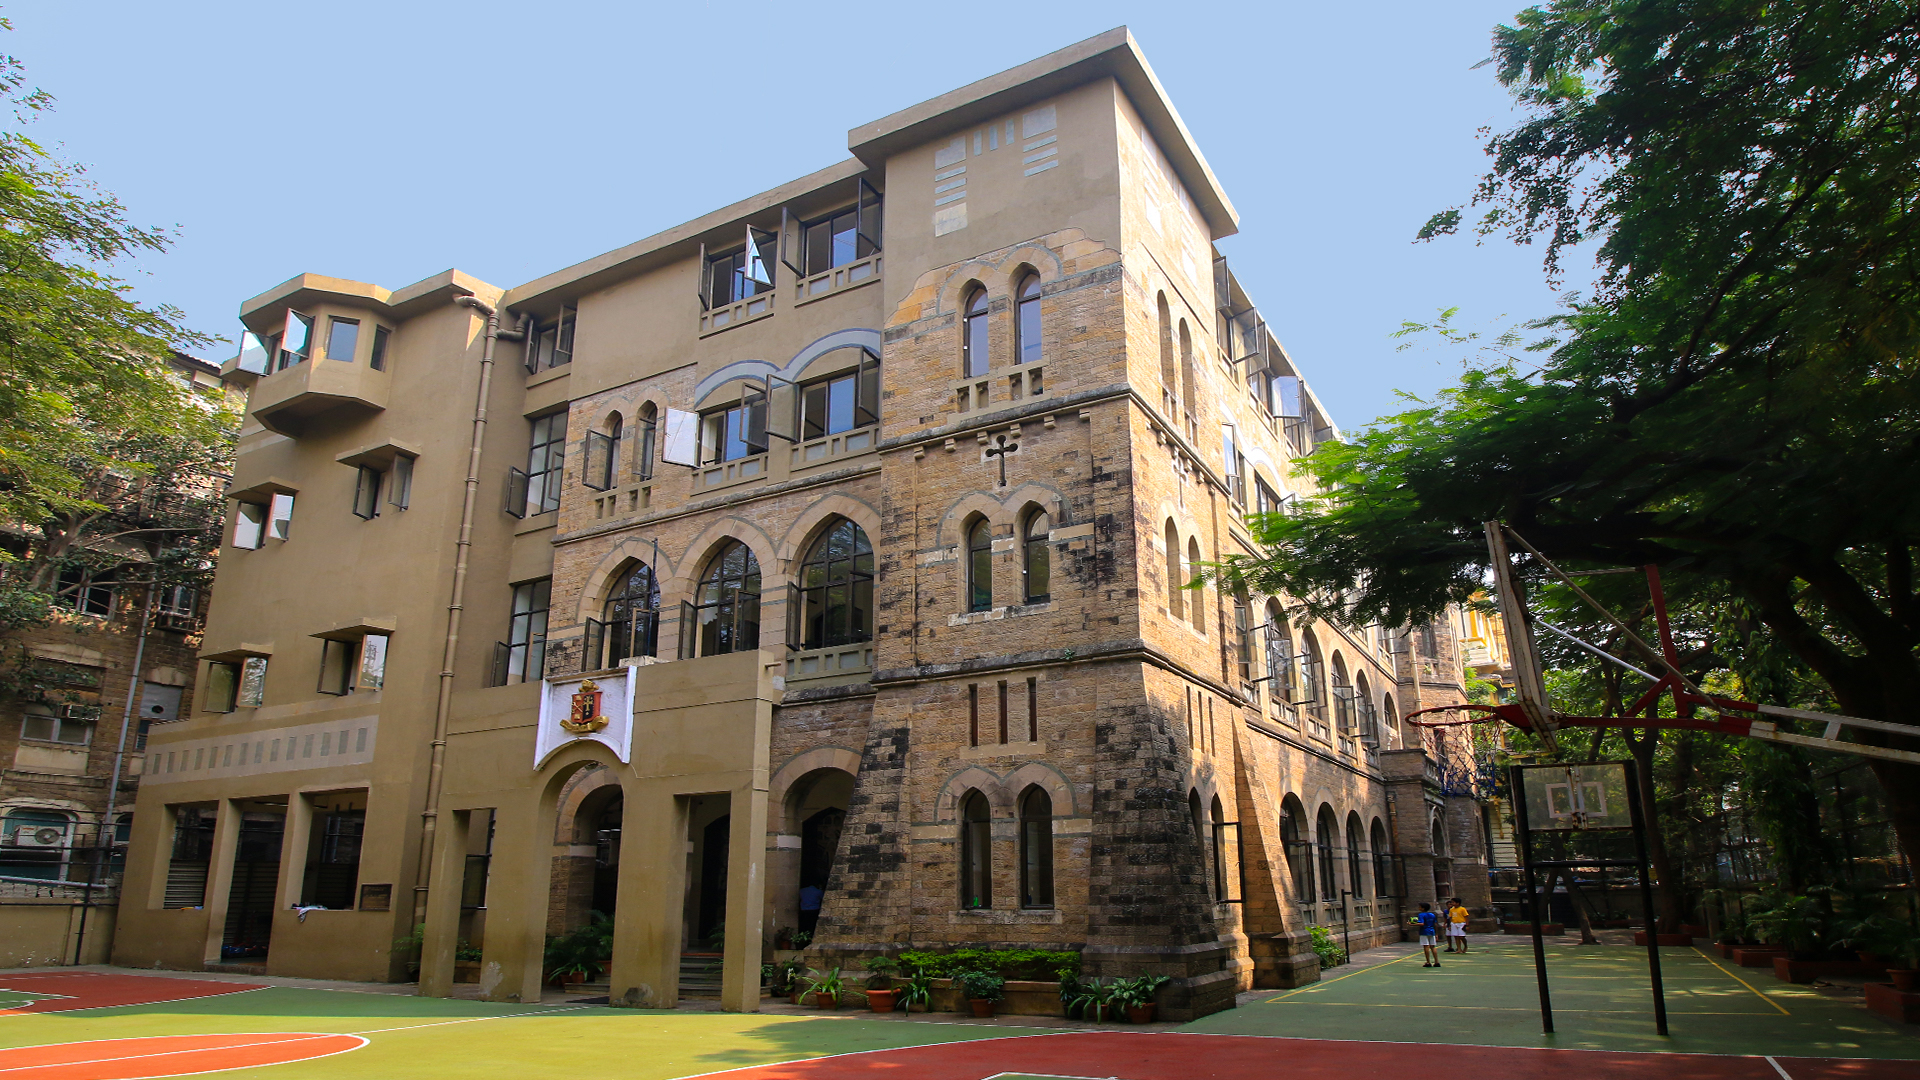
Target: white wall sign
{"type": "Point", "coordinates": [598, 708]}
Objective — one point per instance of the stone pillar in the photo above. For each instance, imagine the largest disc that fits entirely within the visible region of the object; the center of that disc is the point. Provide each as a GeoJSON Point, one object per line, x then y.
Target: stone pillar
{"type": "Point", "coordinates": [442, 935]}
{"type": "Point", "coordinates": [226, 843]}
{"type": "Point", "coordinates": [295, 835]}
{"type": "Point", "coordinates": [515, 948]}
{"type": "Point", "coordinates": [653, 881]}
{"type": "Point", "coordinates": [746, 900]}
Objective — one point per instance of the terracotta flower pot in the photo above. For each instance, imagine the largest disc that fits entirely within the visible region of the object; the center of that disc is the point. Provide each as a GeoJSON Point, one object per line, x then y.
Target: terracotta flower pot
{"type": "Point", "coordinates": [1904, 980]}
{"type": "Point", "coordinates": [1140, 1014]}
{"type": "Point", "coordinates": [826, 1001]}
{"type": "Point", "coordinates": [795, 996]}
{"type": "Point", "coordinates": [981, 1007]}
{"type": "Point", "coordinates": [880, 1001]}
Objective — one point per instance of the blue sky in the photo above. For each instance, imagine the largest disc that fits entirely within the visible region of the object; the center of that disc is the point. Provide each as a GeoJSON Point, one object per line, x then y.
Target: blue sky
{"type": "Point", "coordinates": [388, 141]}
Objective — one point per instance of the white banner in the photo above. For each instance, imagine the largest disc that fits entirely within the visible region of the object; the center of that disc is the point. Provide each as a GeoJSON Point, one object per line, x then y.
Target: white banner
{"type": "Point", "coordinates": [599, 708]}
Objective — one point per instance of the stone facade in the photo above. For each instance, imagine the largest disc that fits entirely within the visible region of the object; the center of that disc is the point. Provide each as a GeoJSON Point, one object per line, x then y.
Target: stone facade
{"type": "Point", "coordinates": [1159, 776]}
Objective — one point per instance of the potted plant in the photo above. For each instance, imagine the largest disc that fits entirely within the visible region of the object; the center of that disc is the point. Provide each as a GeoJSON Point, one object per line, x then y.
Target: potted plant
{"type": "Point", "coordinates": [1136, 996]}
{"type": "Point", "coordinates": [1733, 933]}
{"type": "Point", "coordinates": [410, 946]}
{"type": "Point", "coordinates": [915, 991]}
{"type": "Point", "coordinates": [1090, 998]}
{"type": "Point", "coordinates": [783, 938]}
{"type": "Point", "coordinates": [983, 989]}
{"type": "Point", "coordinates": [826, 987]}
{"type": "Point", "coordinates": [880, 992]}
{"type": "Point", "coordinates": [466, 963]}
{"type": "Point", "coordinates": [1901, 946]}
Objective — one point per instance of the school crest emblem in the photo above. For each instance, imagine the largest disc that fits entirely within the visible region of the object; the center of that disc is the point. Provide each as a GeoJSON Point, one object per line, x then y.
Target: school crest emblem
{"type": "Point", "coordinates": [584, 717]}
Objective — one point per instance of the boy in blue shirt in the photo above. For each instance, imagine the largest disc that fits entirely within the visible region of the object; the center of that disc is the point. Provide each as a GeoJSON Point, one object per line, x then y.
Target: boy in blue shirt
{"type": "Point", "coordinates": [1429, 924]}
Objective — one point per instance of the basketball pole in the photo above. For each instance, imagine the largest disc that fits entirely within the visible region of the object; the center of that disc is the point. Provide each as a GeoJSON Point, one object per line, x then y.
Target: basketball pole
{"type": "Point", "coordinates": [1646, 892]}
{"type": "Point", "coordinates": [1517, 783]}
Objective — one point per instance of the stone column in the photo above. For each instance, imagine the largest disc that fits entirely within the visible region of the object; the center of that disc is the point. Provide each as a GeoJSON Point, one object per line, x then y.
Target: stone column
{"type": "Point", "coordinates": [226, 843]}
{"type": "Point", "coordinates": [515, 948]}
{"type": "Point", "coordinates": [442, 935]}
{"type": "Point", "coordinates": [653, 881]}
{"type": "Point", "coordinates": [746, 900]}
{"type": "Point", "coordinates": [295, 835]}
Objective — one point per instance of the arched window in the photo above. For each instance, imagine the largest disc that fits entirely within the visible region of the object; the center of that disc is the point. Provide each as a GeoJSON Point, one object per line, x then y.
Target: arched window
{"type": "Point", "coordinates": [1036, 849]}
{"type": "Point", "coordinates": [602, 470]}
{"type": "Point", "coordinates": [727, 617]}
{"type": "Point", "coordinates": [979, 566]}
{"type": "Point", "coordinates": [1356, 865]}
{"type": "Point", "coordinates": [1382, 861]}
{"type": "Point", "coordinates": [1324, 840]}
{"type": "Point", "coordinates": [1188, 380]}
{"type": "Point", "coordinates": [1197, 612]}
{"type": "Point", "coordinates": [1217, 844]}
{"type": "Point", "coordinates": [976, 850]}
{"type": "Point", "coordinates": [1037, 557]}
{"type": "Point", "coordinates": [1169, 378]}
{"type": "Point", "coordinates": [1293, 838]}
{"type": "Point", "coordinates": [1175, 600]}
{"type": "Point", "coordinates": [1198, 818]}
{"type": "Point", "coordinates": [1243, 637]}
{"type": "Point", "coordinates": [1389, 717]}
{"type": "Point", "coordinates": [643, 448]}
{"type": "Point", "coordinates": [973, 336]}
{"type": "Point", "coordinates": [1284, 684]}
{"type": "Point", "coordinates": [632, 615]}
{"type": "Point", "coordinates": [836, 586]}
{"type": "Point", "coordinates": [1312, 694]}
{"type": "Point", "coordinates": [1345, 709]}
{"type": "Point", "coordinates": [1438, 829]}
{"type": "Point", "coordinates": [1026, 323]}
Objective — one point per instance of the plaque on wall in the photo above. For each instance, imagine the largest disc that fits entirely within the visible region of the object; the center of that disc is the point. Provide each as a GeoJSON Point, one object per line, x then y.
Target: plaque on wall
{"type": "Point", "coordinates": [376, 898]}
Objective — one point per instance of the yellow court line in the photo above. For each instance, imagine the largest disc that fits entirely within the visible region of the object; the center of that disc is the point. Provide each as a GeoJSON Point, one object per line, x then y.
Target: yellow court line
{"type": "Point", "coordinates": [1521, 1009]}
{"type": "Point", "coordinates": [1743, 982]}
{"type": "Point", "coordinates": [1330, 982]}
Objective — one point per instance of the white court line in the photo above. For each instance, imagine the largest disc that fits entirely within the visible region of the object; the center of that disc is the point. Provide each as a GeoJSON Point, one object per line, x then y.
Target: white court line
{"type": "Point", "coordinates": [1777, 1068]}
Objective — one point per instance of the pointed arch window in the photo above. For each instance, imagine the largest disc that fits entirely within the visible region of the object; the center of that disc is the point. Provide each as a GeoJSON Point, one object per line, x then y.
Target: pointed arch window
{"type": "Point", "coordinates": [836, 588]}
{"type": "Point", "coordinates": [1356, 865]}
{"type": "Point", "coordinates": [979, 566]}
{"type": "Point", "coordinates": [644, 442]}
{"type": "Point", "coordinates": [1198, 609]}
{"type": "Point", "coordinates": [1026, 323]}
{"type": "Point", "coordinates": [1293, 837]}
{"type": "Point", "coordinates": [1382, 861]}
{"type": "Point", "coordinates": [632, 616]}
{"type": "Point", "coordinates": [976, 852]}
{"type": "Point", "coordinates": [1037, 557]}
{"type": "Point", "coordinates": [1324, 841]}
{"type": "Point", "coordinates": [973, 338]}
{"type": "Point", "coordinates": [726, 616]}
{"type": "Point", "coordinates": [1036, 849]}
{"type": "Point", "coordinates": [603, 455]}
{"type": "Point", "coordinates": [1175, 602]}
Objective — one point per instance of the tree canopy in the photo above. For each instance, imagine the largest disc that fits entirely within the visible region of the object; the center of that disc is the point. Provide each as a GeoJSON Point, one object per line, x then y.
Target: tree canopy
{"type": "Point", "coordinates": [1736, 400]}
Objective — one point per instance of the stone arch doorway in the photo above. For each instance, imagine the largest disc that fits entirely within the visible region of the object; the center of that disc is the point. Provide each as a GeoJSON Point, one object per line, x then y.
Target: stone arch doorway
{"type": "Point", "coordinates": [817, 810]}
{"type": "Point", "coordinates": [586, 863]}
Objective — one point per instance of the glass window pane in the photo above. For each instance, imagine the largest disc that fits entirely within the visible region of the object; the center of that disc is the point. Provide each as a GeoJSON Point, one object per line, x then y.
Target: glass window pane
{"type": "Point", "coordinates": [819, 248]}
{"type": "Point", "coordinates": [343, 336]}
{"type": "Point", "coordinates": [400, 487]}
{"type": "Point", "coordinates": [1030, 331]}
{"type": "Point", "coordinates": [373, 662]}
{"type": "Point", "coordinates": [1039, 569]}
{"type": "Point", "coordinates": [843, 239]}
{"type": "Point", "coordinates": [249, 525]}
{"type": "Point", "coordinates": [253, 682]}
{"type": "Point", "coordinates": [813, 411]}
{"type": "Point", "coordinates": [840, 405]}
{"type": "Point", "coordinates": [280, 517]}
{"type": "Point", "coordinates": [378, 361]}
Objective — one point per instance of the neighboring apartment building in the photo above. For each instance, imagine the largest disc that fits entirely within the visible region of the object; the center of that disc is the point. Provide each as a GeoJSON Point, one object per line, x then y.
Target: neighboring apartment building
{"type": "Point", "coordinates": [834, 540]}
{"type": "Point", "coordinates": [72, 740]}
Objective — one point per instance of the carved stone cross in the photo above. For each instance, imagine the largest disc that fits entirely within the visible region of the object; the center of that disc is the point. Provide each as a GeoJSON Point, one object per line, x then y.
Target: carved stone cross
{"type": "Point", "coordinates": [1001, 449]}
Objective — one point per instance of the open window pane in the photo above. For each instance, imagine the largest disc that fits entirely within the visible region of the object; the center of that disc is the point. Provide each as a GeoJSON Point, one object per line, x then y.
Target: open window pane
{"type": "Point", "coordinates": [366, 495]}
{"type": "Point", "coordinates": [400, 484]}
{"type": "Point", "coordinates": [252, 691]}
{"type": "Point", "coordinates": [223, 681]}
{"type": "Point", "coordinates": [253, 354]}
{"type": "Point", "coordinates": [280, 517]}
{"type": "Point", "coordinates": [379, 359]}
{"type": "Point", "coordinates": [249, 525]}
{"type": "Point", "coordinates": [373, 663]}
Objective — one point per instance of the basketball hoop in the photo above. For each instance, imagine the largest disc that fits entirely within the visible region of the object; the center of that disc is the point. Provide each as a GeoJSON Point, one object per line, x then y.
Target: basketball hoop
{"type": "Point", "coordinates": [1446, 716]}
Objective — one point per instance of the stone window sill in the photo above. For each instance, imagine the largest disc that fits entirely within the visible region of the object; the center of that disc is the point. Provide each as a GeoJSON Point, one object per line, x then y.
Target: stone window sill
{"type": "Point", "coordinates": [751, 309]}
{"type": "Point", "coordinates": [838, 280]}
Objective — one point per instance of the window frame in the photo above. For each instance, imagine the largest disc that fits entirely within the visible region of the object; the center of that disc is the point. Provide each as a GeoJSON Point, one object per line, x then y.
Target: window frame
{"type": "Point", "coordinates": [544, 483]}
{"type": "Point", "coordinates": [249, 523]}
{"type": "Point", "coordinates": [1040, 546]}
{"type": "Point", "coordinates": [978, 544]}
{"type": "Point", "coordinates": [976, 852]}
{"type": "Point", "coordinates": [728, 426]}
{"type": "Point", "coordinates": [840, 573]}
{"type": "Point", "coordinates": [382, 340]}
{"type": "Point", "coordinates": [1027, 306]}
{"type": "Point", "coordinates": [526, 643]}
{"type": "Point", "coordinates": [976, 346]}
{"type": "Point", "coordinates": [366, 492]}
{"type": "Point", "coordinates": [334, 325]}
{"type": "Point", "coordinates": [733, 604]}
{"type": "Point", "coordinates": [57, 725]}
{"type": "Point", "coordinates": [285, 358]}
{"type": "Point", "coordinates": [1036, 851]}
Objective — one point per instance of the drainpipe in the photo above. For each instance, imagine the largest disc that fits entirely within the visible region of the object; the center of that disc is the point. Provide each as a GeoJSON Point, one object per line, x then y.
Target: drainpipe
{"type": "Point", "coordinates": [105, 829]}
{"type": "Point", "coordinates": [463, 547]}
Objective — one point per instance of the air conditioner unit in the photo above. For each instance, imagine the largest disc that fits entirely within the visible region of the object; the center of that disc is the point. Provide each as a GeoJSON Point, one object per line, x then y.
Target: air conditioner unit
{"type": "Point", "coordinates": [80, 712]}
{"type": "Point", "coordinates": [40, 836]}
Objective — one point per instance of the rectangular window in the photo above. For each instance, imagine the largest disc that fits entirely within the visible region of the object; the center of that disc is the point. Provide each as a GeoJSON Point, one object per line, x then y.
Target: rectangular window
{"type": "Point", "coordinates": [550, 345]}
{"type": "Point", "coordinates": [1003, 712]}
{"type": "Point", "coordinates": [372, 674]}
{"type": "Point", "coordinates": [522, 657]}
{"type": "Point", "coordinates": [742, 272]}
{"type": "Point", "coordinates": [378, 361]}
{"type": "Point", "coordinates": [546, 463]}
{"type": "Point", "coordinates": [223, 681]}
{"type": "Point", "coordinates": [1033, 710]}
{"type": "Point", "coordinates": [250, 526]}
{"type": "Point", "coordinates": [723, 436]}
{"type": "Point", "coordinates": [973, 714]}
{"type": "Point", "coordinates": [74, 729]}
{"type": "Point", "coordinates": [180, 601]}
{"type": "Point", "coordinates": [336, 666]}
{"type": "Point", "coordinates": [252, 692]}
{"type": "Point", "coordinates": [841, 403]}
{"type": "Point", "coordinates": [280, 516]}
{"type": "Point", "coordinates": [400, 484]}
{"type": "Point", "coordinates": [343, 337]}
{"type": "Point", "coordinates": [366, 495]}
{"type": "Point", "coordinates": [79, 591]}
{"type": "Point", "coordinates": [295, 341]}
{"type": "Point", "coordinates": [831, 242]}
{"type": "Point", "coordinates": [1264, 499]}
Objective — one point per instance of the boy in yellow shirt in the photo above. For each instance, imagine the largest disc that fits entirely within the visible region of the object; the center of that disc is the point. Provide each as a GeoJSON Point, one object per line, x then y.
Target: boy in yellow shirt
{"type": "Point", "coordinates": [1456, 925]}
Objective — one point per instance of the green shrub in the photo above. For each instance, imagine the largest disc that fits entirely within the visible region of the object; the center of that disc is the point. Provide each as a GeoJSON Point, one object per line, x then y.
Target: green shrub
{"type": "Point", "coordinates": [1323, 944]}
{"type": "Point", "coordinates": [1037, 964]}
{"type": "Point", "coordinates": [981, 985]}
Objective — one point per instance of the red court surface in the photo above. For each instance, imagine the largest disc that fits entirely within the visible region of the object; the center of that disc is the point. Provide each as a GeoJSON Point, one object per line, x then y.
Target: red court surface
{"type": "Point", "coordinates": [72, 990]}
{"type": "Point", "coordinates": [168, 1055]}
{"type": "Point", "coordinates": [1175, 1056]}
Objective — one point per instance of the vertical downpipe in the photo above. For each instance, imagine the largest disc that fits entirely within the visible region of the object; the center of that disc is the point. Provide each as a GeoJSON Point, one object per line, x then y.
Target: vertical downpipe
{"type": "Point", "coordinates": [463, 547]}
